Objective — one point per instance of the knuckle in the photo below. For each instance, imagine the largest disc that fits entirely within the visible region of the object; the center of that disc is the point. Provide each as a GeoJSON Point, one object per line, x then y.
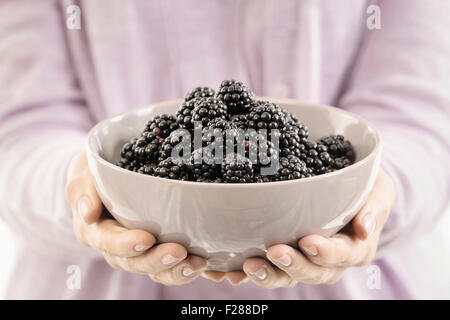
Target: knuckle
{"type": "Point", "coordinates": [80, 234]}
{"type": "Point", "coordinates": [323, 277]}
{"type": "Point", "coordinates": [111, 261]}
{"type": "Point", "coordinates": [72, 186]}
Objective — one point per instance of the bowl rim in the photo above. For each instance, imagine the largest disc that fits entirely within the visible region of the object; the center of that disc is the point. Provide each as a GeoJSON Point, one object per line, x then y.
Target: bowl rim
{"type": "Point", "coordinates": [372, 154]}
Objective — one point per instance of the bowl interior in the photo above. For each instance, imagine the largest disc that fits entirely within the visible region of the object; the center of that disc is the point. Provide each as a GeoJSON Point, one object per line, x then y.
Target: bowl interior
{"type": "Point", "coordinates": [110, 135]}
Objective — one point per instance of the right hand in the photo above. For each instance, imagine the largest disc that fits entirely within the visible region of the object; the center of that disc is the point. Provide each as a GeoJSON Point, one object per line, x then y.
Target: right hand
{"type": "Point", "coordinates": [130, 250]}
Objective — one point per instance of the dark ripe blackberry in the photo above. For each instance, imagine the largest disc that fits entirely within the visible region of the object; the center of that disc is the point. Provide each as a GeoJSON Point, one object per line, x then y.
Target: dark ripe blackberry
{"type": "Point", "coordinates": [235, 95]}
{"type": "Point", "coordinates": [147, 169]}
{"type": "Point", "coordinates": [262, 150]}
{"type": "Point", "coordinates": [341, 162]}
{"type": "Point", "coordinates": [184, 114]}
{"type": "Point", "coordinates": [291, 168]}
{"type": "Point", "coordinates": [266, 115]}
{"type": "Point", "coordinates": [239, 121]}
{"type": "Point", "coordinates": [162, 125]}
{"type": "Point", "coordinates": [290, 144]}
{"type": "Point", "coordinates": [171, 169]}
{"type": "Point", "coordinates": [165, 151]}
{"type": "Point", "coordinates": [200, 170]}
{"type": "Point", "coordinates": [146, 148]}
{"type": "Point", "coordinates": [338, 147]}
{"type": "Point", "coordinates": [262, 179]}
{"type": "Point", "coordinates": [237, 170]}
{"type": "Point", "coordinates": [199, 92]}
{"type": "Point", "coordinates": [207, 109]}
{"type": "Point", "coordinates": [131, 165]}
{"type": "Point", "coordinates": [216, 128]}
{"type": "Point", "coordinates": [316, 157]}
{"type": "Point", "coordinates": [298, 128]}
{"type": "Point", "coordinates": [219, 123]}
{"type": "Point", "coordinates": [127, 151]}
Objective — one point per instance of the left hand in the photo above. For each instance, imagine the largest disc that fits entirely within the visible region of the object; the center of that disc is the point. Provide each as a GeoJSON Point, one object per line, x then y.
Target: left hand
{"type": "Point", "coordinates": [322, 260]}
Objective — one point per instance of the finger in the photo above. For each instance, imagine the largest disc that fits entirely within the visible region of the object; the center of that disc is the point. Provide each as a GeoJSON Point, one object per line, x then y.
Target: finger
{"type": "Point", "coordinates": [110, 237]}
{"type": "Point", "coordinates": [373, 215]}
{"type": "Point", "coordinates": [215, 276]}
{"type": "Point", "coordinates": [263, 274]}
{"type": "Point", "coordinates": [81, 192]}
{"type": "Point", "coordinates": [298, 267]}
{"type": "Point", "coordinates": [236, 277]}
{"type": "Point", "coordinates": [340, 250]}
{"type": "Point", "coordinates": [158, 259]}
{"type": "Point", "coordinates": [112, 261]}
{"type": "Point", "coordinates": [185, 272]}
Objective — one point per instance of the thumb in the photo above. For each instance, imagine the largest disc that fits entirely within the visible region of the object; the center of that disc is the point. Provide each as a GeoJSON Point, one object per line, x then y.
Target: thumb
{"type": "Point", "coordinates": [80, 190]}
{"type": "Point", "coordinates": [375, 212]}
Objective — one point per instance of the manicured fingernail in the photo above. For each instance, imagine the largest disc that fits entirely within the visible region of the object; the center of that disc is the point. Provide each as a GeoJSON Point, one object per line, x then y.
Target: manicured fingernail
{"type": "Point", "coordinates": [369, 223]}
{"type": "Point", "coordinates": [187, 272]}
{"type": "Point", "coordinates": [83, 206]}
{"type": "Point", "coordinates": [140, 248]}
{"type": "Point", "coordinates": [261, 274]}
{"type": "Point", "coordinates": [310, 250]}
{"type": "Point", "coordinates": [284, 260]}
{"type": "Point", "coordinates": [169, 259]}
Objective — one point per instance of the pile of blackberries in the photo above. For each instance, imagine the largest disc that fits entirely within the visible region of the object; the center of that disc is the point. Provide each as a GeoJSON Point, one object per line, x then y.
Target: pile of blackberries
{"type": "Point", "coordinates": [232, 117]}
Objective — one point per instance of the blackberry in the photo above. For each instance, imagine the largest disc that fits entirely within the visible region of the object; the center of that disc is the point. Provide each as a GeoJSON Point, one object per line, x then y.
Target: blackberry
{"type": "Point", "coordinates": [341, 162]}
{"type": "Point", "coordinates": [292, 168]}
{"type": "Point", "coordinates": [207, 109]}
{"type": "Point", "coordinates": [184, 114]}
{"type": "Point", "coordinates": [262, 179]}
{"type": "Point", "coordinates": [167, 146]}
{"type": "Point", "coordinates": [199, 92]}
{"type": "Point", "coordinates": [263, 148]}
{"type": "Point", "coordinates": [131, 165]}
{"type": "Point", "coordinates": [219, 123]}
{"type": "Point", "coordinates": [239, 121]}
{"type": "Point", "coordinates": [235, 119]}
{"type": "Point", "coordinates": [127, 152]}
{"type": "Point", "coordinates": [266, 115]}
{"type": "Point", "coordinates": [298, 128]}
{"type": "Point", "coordinates": [162, 125]}
{"type": "Point", "coordinates": [169, 168]}
{"type": "Point", "coordinates": [236, 96]}
{"type": "Point", "coordinates": [316, 157]}
{"type": "Point", "coordinates": [147, 169]}
{"type": "Point", "coordinates": [147, 147]}
{"type": "Point", "coordinates": [290, 144]}
{"type": "Point", "coordinates": [237, 170]}
{"type": "Point", "coordinates": [200, 170]}
{"type": "Point", "coordinates": [338, 147]}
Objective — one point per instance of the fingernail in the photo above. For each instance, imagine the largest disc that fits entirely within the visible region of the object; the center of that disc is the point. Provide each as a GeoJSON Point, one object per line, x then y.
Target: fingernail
{"type": "Point", "coordinates": [369, 223]}
{"type": "Point", "coordinates": [284, 260]}
{"type": "Point", "coordinates": [168, 259]}
{"type": "Point", "coordinates": [83, 206]}
{"type": "Point", "coordinates": [310, 250]}
{"type": "Point", "coordinates": [140, 248]}
{"type": "Point", "coordinates": [187, 272]}
{"type": "Point", "coordinates": [261, 274]}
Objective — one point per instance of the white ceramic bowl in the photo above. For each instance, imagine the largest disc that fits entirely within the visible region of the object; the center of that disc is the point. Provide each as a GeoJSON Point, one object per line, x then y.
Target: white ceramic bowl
{"type": "Point", "coordinates": [227, 223]}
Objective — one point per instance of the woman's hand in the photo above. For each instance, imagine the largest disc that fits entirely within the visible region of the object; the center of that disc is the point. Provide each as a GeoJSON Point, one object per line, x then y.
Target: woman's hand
{"type": "Point", "coordinates": [323, 260]}
{"type": "Point", "coordinates": [131, 250]}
